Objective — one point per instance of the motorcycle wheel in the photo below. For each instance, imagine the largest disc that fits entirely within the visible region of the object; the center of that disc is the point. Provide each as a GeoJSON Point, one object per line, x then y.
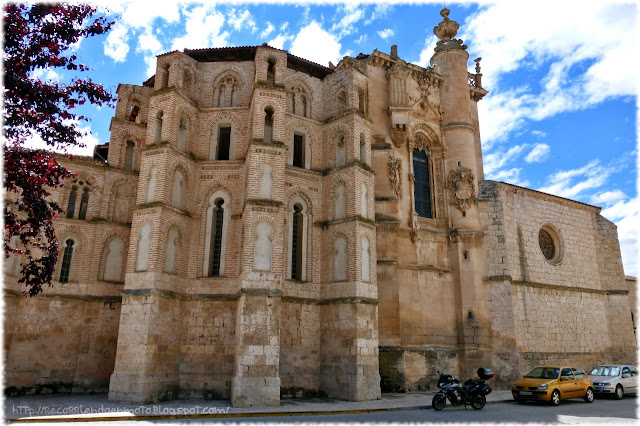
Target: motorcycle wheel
{"type": "Point", "coordinates": [438, 402]}
{"type": "Point", "coordinates": [478, 400]}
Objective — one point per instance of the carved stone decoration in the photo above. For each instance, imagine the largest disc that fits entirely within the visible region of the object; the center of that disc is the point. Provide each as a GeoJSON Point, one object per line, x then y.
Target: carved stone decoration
{"type": "Point", "coordinates": [461, 188]}
{"type": "Point", "coordinates": [395, 170]}
{"type": "Point", "coordinates": [415, 227]}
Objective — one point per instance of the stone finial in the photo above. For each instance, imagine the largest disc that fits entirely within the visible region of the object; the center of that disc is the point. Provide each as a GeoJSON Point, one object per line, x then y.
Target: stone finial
{"type": "Point", "coordinates": [477, 61]}
{"type": "Point", "coordinates": [447, 29]}
{"type": "Point", "coordinates": [394, 51]}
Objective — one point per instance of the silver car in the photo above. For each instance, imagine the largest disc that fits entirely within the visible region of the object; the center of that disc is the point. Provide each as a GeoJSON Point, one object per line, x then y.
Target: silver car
{"type": "Point", "coordinates": [614, 380]}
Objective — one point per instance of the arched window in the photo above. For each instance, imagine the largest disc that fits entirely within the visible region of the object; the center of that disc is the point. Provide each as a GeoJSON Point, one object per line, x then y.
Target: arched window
{"type": "Point", "coordinates": [134, 110]}
{"type": "Point", "coordinates": [171, 252]}
{"type": "Point", "coordinates": [364, 201]}
{"type": "Point", "coordinates": [298, 222]}
{"type": "Point", "coordinates": [217, 217]}
{"type": "Point", "coordinates": [158, 130]}
{"type": "Point", "coordinates": [129, 156]}
{"type": "Point", "coordinates": [224, 142]}
{"type": "Point", "coordinates": [268, 124]}
{"type": "Point", "coordinates": [113, 261]}
{"type": "Point", "coordinates": [182, 133]}
{"type": "Point", "coordinates": [221, 96]}
{"type": "Point", "coordinates": [366, 260]}
{"type": "Point", "coordinates": [142, 262]}
{"type": "Point", "coordinates": [84, 204]}
{"type": "Point", "coordinates": [164, 76]}
{"type": "Point", "coordinates": [340, 202]}
{"type": "Point", "coordinates": [187, 81]}
{"type": "Point", "coordinates": [363, 149]}
{"type": "Point", "coordinates": [234, 95]}
{"type": "Point", "coordinates": [65, 268]}
{"type": "Point", "coordinates": [266, 182]}
{"type": "Point", "coordinates": [342, 99]}
{"type": "Point", "coordinates": [292, 103]}
{"type": "Point", "coordinates": [262, 247]}
{"type": "Point", "coordinates": [271, 71]}
{"type": "Point", "coordinates": [176, 193]}
{"type": "Point", "coordinates": [151, 184]}
{"type": "Point", "coordinates": [303, 101]}
{"type": "Point", "coordinates": [340, 259]}
{"type": "Point", "coordinates": [340, 151]}
{"type": "Point", "coordinates": [298, 150]}
{"type": "Point", "coordinates": [72, 202]}
{"type": "Point", "coordinates": [361, 100]}
{"type": "Point", "coordinates": [121, 204]}
{"type": "Point", "coordinates": [422, 185]}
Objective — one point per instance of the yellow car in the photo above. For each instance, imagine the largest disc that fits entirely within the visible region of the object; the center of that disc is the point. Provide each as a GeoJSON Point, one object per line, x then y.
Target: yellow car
{"type": "Point", "coordinates": [552, 384]}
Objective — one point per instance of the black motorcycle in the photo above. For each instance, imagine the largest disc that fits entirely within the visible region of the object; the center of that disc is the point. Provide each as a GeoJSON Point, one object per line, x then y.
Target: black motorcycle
{"type": "Point", "coordinates": [473, 392]}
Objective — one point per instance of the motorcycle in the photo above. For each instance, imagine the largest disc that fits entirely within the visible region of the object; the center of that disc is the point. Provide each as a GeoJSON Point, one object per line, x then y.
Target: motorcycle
{"type": "Point", "coordinates": [473, 392]}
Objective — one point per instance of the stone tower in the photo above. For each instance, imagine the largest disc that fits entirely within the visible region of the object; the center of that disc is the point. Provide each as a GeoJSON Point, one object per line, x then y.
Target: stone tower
{"type": "Point", "coordinates": [463, 168]}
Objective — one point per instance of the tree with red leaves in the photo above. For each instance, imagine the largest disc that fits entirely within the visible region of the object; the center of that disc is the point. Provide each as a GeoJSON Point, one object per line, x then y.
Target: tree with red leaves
{"type": "Point", "coordinates": [36, 37]}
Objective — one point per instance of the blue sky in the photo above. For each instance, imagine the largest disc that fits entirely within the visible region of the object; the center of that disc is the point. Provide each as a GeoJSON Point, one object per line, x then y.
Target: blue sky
{"type": "Point", "coordinates": [562, 112]}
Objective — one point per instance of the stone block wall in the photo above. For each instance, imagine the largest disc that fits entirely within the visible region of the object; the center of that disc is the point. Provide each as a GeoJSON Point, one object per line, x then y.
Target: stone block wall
{"type": "Point", "coordinates": [59, 343]}
{"type": "Point", "coordinates": [543, 311]}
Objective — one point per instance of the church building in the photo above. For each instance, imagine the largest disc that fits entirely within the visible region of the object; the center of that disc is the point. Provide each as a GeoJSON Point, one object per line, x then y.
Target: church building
{"type": "Point", "coordinates": [261, 227]}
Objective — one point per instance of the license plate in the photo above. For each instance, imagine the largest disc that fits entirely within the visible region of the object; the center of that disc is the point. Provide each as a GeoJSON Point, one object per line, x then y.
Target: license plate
{"type": "Point", "coordinates": [525, 393]}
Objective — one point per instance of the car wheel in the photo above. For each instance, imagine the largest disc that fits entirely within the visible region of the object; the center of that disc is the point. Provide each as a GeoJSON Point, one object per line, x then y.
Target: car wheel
{"type": "Point", "coordinates": [555, 397]}
{"type": "Point", "coordinates": [619, 393]}
{"type": "Point", "coordinates": [588, 397]}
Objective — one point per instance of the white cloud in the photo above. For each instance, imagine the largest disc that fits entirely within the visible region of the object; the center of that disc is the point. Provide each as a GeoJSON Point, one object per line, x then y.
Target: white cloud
{"type": "Point", "coordinates": [279, 41]}
{"type": "Point", "coordinates": [148, 42]}
{"type": "Point", "coordinates": [242, 20]}
{"type": "Point", "coordinates": [349, 15]}
{"type": "Point", "coordinates": [608, 197]}
{"type": "Point", "coordinates": [497, 160]}
{"type": "Point", "coordinates": [538, 133]}
{"type": "Point", "coordinates": [203, 26]}
{"type": "Point", "coordinates": [591, 176]}
{"type": "Point", "coordinates": [361, 39]}
{"type": "Point", "coordinates": [538, 154]}
{"type": "Point", "coordinates": [596, 38]}
{"type": "Point", "coordinates": [48, 74]}
{"type": "Point", "coordinates": [626, 216]}
{"type": "Point", "coordinates": [379, 11]}
{"type": "Point", "coordinates": [315, 44]}
{"type": "Point", "coordinates": [427, 52]}
{"type": "Point", "coordinates": [510, 176]}
{"type": "Point", "coordinates": [267, 31]}
{"type": "Point", "coordinates": [386, 33]}
{"type": "Point", "coordinates": [116, 45]}
{"type": "Point", "coordinates": [88, 139]}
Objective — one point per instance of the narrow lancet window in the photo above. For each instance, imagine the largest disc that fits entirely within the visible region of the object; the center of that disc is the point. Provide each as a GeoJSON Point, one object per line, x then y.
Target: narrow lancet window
{"type": "Point", "coordinates": [216, 238]}
{"type": "Point", "coordinates": [129, 153]}
{"type": "Point", "coordinates": [72, 202]}
{"type": "Point", "coordinates": [296, 243]}
{"type": "Point", "coordinates": [422, 188]}
{"type": "Point", "coordinates": [66, 261]}
{"type": "Point", "coordinates": [268, 124]}
{"type": "Point", "coordinates": [84, 204]}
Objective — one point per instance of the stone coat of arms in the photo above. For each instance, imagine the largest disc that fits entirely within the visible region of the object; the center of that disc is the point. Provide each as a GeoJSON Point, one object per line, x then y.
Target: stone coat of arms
{"type": "Point", "coordinates": [461, 188]}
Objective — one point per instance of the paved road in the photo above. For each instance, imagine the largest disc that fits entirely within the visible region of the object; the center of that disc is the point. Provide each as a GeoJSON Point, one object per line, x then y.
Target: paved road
{"type": "Point", "coordinates": [569, 412]}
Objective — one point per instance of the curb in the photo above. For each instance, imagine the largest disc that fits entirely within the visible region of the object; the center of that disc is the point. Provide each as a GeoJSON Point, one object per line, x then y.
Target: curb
{"type": "Point", "coordinates": [74, 419]}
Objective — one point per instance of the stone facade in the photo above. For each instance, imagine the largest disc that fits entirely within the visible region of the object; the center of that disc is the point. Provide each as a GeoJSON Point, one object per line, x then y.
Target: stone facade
{"type": "Point", "coordinates": [265, 228]}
